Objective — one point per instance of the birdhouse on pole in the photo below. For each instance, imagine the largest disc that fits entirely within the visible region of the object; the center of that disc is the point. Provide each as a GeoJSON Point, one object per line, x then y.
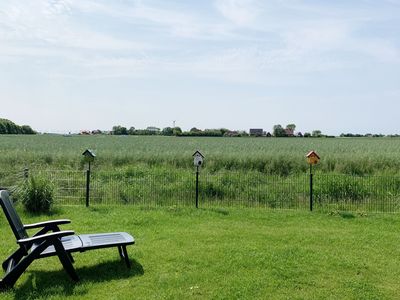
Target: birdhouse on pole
{"type": "Point", "coordinates": [89, 155]}
{"type": "Point", "coordinates": [312, 158]}
{"type": "Point", "coordinates": [198, 159]}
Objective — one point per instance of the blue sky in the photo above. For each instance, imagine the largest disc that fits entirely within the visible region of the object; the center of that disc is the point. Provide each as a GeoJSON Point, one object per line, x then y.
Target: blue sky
{"type": "Point", "coordinates": [70, 65]}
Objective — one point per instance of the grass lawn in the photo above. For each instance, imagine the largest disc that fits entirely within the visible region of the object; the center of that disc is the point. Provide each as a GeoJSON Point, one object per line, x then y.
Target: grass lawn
{"type": "Point", "coordinates": [221, 254]}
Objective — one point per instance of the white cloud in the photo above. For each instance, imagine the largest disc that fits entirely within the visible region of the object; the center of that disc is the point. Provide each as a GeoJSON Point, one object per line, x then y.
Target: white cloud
{"type": "Point", "coordinates": [240, 12]}
{"type": "Point", "coordinates": [253, 40]}
{"type": "Point", "coordinates": [381, 50]}
{"type": "Point", "coordinates": [317, 36]}
{"type": "Point", "coordinates": [39, 24]}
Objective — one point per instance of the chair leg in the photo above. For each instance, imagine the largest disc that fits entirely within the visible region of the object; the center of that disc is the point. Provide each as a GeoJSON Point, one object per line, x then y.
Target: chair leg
{"type": "Point", "coordinates": [14, 272]}
{"type": "Point", "coordinates": [71, 257]}
{"type": "Point", "coordinates": [16, 256]}
{"type": "Point", "coordinates": [125, 253]}
{"type": "Point", "coordinates": [120, 252]}
{"type": "Point", "coordinates": [65, 260]}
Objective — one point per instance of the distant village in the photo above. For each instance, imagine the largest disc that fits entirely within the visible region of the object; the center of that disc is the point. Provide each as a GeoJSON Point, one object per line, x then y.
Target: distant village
{"type": "Point", "coordinates": [9, 127]}
{"type": "Point", "coordinates": [277, 131]}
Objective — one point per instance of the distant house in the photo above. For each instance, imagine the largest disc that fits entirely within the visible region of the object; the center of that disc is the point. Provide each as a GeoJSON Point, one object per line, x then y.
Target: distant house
{"type": "Point", "coordinates": [153, 129]}
{"type": "Point", "coordinates": [232, 133]}
{"type": "Point", "coordinates": [256, 132]}
{"type": "Point", "coordinates": [289, 132]}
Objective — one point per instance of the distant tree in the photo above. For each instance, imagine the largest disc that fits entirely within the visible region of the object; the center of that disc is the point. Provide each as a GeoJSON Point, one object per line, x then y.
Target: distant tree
{"type": "Point", "coordinates": [119, 130]}
{"type": "Point", "coordinates": [25, 129]}
{"type": "Point", "coordinates": [9, 127]}
{"type": "Point", "coordinates": [316, 133]}
{"type": "Point", "coordinates": [279, 131]}
{"type": "Point", "coordinates": [115, 130]}
{"type": "Point", "coordinates": [177, 131]}
{"type": "Point", "coordinates": [307, 134]}
{"type": "Point", "coordinates": [167, 131]}
{"type": "Point", "coordinates": [194, 129]}
{"type": "Point", "coordinates": [213, 132]}
{"type": "Point", "coordinates": [243, 133]}
{"type": "Point", "coordinates": [268, 134]}
{"type": "Point", "coordinates": [291, 127]}
{"type": "Point", "coordinates": [124, 131]}
{"type": "Point", "coordinates": [132, 130]}
{"type": "Point", "coordinates": [224, 130]}
{"type": "Point", "coordinates": [299, 134]}
{"type": "Point", "coordinates": [151, 130]}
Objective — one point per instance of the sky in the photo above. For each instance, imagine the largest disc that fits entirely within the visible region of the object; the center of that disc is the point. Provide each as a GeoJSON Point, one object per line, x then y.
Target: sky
{"type": "Point", "coordinates": [71, 65]}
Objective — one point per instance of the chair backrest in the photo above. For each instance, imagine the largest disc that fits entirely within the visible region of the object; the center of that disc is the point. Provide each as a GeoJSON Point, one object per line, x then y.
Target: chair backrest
{"type": "Point", "coordinates": [12, 216]}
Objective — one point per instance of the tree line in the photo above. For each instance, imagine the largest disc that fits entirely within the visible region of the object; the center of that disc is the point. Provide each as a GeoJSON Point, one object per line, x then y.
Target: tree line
{"type": "Point", "coordinates": [277, 131]}
{"type": "Point", "coordinates": [175, 131]}
{"type": "Point", "coordinates": [9, 127]}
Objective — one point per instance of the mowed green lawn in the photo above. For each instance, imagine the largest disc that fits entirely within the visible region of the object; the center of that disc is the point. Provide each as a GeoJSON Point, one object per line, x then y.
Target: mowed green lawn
{"type": "Point", "coordinates": [221, 254]}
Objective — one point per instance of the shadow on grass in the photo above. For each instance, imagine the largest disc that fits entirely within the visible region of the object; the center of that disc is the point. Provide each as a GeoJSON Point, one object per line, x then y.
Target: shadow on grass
{"type": "Point", "coordinates": [45, 284]}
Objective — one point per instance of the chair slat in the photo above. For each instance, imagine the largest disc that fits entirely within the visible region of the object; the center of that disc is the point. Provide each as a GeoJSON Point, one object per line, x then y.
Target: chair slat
{"type": "Point", "coordinates": [12, 216]}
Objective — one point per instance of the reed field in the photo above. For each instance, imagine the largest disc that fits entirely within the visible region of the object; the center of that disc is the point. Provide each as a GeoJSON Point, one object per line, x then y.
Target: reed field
{"type": "Point", "coordinates": [276, 156]}
{"type": "Point", "coordinates": [358, 174]}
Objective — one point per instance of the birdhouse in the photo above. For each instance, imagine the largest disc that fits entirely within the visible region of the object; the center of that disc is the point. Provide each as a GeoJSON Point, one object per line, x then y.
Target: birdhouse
{"type": "Point", "coordinates": [312, 158]}
{"type": "Point", "coordinates": [89, 155]}
{"type": "Point", "coordinates": [198, 159]}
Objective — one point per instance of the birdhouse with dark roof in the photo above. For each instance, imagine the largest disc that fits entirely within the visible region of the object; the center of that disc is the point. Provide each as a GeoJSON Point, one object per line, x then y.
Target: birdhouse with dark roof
{"type": "Point", "coordinates": [198, 158]}
{"type": "Point", "coordinates": [89, 155]}
{"type": "Point", "coordinates": [312, 158]}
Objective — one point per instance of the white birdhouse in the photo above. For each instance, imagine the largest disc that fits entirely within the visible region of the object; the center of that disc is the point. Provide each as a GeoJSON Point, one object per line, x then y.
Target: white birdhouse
{"type": "Point", "coordinates": [198, 159]}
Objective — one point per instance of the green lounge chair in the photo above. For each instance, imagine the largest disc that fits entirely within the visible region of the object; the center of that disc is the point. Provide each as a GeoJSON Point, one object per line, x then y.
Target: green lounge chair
{"type": "Point", "coordinates": [50, 241]}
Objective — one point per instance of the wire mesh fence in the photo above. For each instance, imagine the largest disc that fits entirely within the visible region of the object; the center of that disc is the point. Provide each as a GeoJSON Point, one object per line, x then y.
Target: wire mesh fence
{"type": "Point", "coordinates": [357, 193]}
{"type": "Point", "coordinates": [12, 181]}
{"type": "Point", "coordinates": [221, 189]}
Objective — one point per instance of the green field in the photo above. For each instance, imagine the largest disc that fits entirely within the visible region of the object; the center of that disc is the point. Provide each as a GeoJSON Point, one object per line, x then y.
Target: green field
{"type": "Point", "coordinates": [359, 174]}
{"type": "Point", "coordinates": [221, 254]}
{"type": "Point", "coordinates": [224, 250]}
{"type": "Point", "coordinates": [279, 156]}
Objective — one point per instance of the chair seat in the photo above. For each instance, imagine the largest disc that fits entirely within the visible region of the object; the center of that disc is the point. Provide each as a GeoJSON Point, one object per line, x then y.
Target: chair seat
{"type": "Point", "coordinates": [83, 242]}
{"type": "Point", "coordinates": [104, 240]}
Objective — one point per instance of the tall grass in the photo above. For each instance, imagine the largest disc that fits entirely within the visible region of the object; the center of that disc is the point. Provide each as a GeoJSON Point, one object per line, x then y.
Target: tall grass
{"type": "Point", "coordinates": [274, 156]}
{"type": "Point", "coordinates": [165, 186]}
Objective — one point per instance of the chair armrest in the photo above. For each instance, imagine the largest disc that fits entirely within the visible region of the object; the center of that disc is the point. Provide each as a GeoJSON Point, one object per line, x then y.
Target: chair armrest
{"type": "Point", "coordinates": [43, 237]}
{"type": "Point", "coordinates": [47, 223]}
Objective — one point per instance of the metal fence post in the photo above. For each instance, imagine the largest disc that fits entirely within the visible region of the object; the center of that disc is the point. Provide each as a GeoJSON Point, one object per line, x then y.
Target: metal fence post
{"type": "Point", "coordinates": [87, 187]}
{"type": "Point", "coordinates": [197, 187]}
{"type": "Point", "coordinates": [311, 189]}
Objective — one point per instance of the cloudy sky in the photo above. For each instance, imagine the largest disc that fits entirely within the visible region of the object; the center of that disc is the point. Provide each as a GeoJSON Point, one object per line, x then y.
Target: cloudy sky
{"type": "Point", "coordinates": [68, 65]}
